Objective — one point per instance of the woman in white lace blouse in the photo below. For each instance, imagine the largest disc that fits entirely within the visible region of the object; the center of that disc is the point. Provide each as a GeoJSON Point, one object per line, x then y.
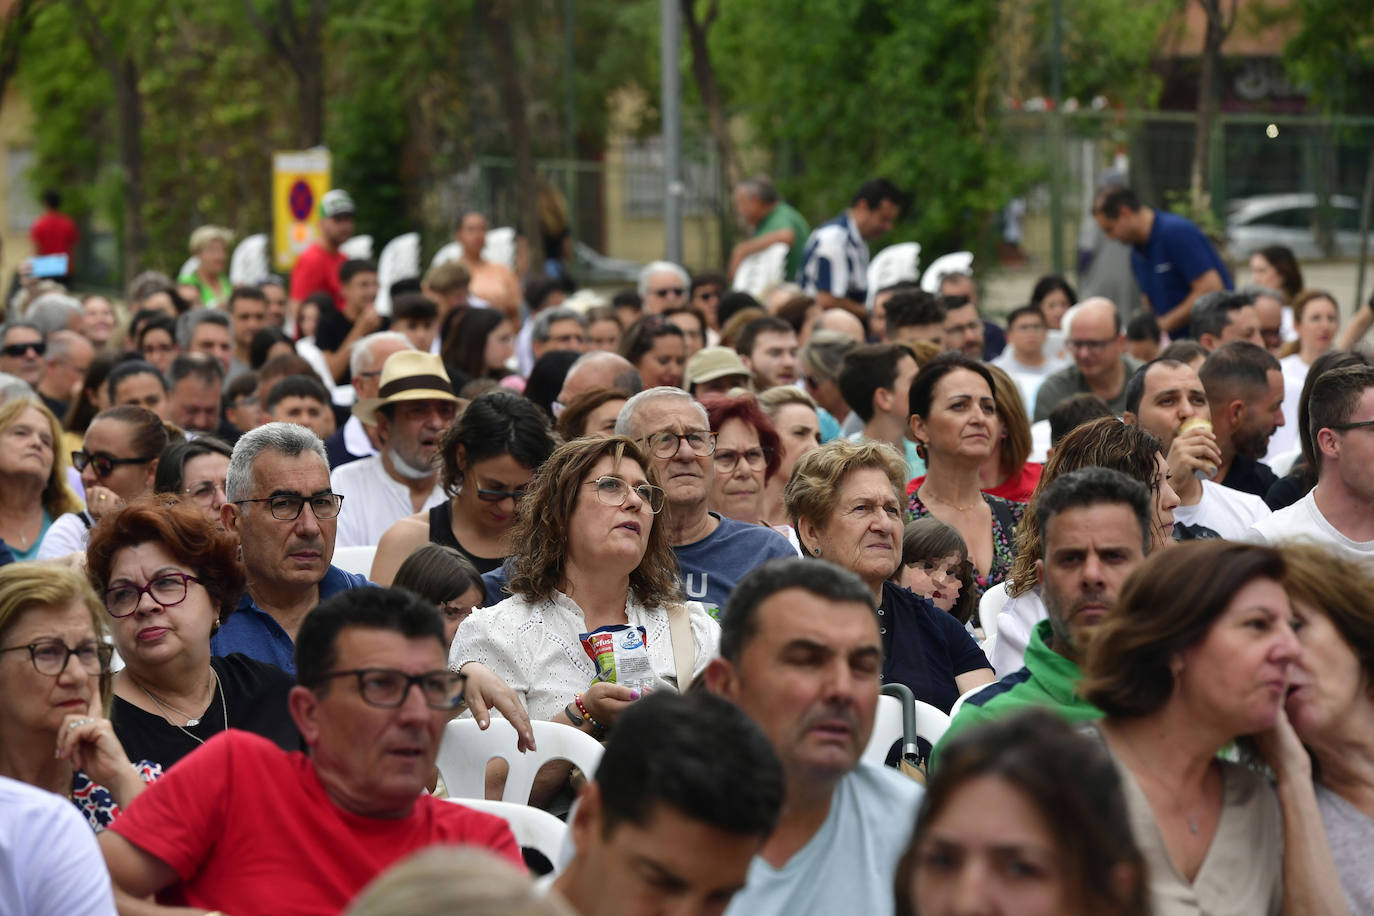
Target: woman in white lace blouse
{"type": "Point", "coordinates": [589, 556]}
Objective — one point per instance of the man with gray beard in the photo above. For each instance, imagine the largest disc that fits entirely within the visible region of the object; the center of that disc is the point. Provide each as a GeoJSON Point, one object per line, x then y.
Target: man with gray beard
{"type": "Point", "coordinates": [415, 404]}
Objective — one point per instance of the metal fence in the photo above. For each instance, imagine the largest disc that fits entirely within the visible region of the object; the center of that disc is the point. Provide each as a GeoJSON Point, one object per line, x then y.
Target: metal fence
{"type": "Point", "coordinates": [1252, 156]}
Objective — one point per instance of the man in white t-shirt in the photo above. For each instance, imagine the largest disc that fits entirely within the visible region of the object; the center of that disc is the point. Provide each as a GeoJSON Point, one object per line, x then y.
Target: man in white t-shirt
{"type": "Point", "coordinates": [1339, 511]}
{"type": "Point", "coordinates": [1160, 397]}
{"type": "Point", "coordinates": [800, 653]}
{"type": "Point", "coordinates": [415, 404]}
{"type": "Point", "coordinates": [50, 864]}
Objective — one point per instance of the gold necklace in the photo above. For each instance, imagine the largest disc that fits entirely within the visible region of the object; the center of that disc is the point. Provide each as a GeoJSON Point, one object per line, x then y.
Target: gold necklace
{"type": "Point", "coordinates": [931, 497]}
{"type": "Point", "coordinates": [1178, 805]}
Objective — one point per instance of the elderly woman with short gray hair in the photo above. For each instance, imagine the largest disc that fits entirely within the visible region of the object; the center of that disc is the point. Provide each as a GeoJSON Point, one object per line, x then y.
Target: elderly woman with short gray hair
{"type": "Point", "coordinates": [845, 502]}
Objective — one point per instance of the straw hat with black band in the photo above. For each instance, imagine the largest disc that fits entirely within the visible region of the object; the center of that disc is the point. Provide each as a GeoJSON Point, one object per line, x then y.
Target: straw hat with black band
{"type": "Point", "coordinates": [407, 375]}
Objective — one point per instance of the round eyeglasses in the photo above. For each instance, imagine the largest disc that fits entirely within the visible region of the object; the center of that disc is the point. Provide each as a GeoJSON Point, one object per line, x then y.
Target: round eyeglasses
{"type": "Point", "coordinates": [612, 491]}
{"type": "Point", "coordinates": [726, 461]}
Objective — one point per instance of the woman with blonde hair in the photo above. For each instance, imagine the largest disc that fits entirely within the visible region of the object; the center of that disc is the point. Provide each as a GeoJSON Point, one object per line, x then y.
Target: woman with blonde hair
{"type": "Point", "coordinates": [54, 680]}
{"type": "Point", "coordinates": [210, 245]}
{"type": "Point", "coordinates": [33, 484]}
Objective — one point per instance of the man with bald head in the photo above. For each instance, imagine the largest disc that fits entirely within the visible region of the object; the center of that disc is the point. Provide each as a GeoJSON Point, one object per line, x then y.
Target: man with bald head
{"type": "Point", "coordinates": [599, 369]}
{"type": "Point", "coordinates": [1101, 365]}
{"type": "Point", "coordinates": [842, 321]}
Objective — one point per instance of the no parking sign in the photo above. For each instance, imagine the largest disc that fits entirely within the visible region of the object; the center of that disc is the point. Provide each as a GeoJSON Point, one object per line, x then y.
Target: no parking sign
{"type": "Point", "coordinates": [299, 180]}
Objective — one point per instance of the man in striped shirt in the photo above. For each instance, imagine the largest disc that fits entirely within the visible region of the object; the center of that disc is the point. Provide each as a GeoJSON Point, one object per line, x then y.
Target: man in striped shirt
{"type": "Point", "coordinates": [835, 264]}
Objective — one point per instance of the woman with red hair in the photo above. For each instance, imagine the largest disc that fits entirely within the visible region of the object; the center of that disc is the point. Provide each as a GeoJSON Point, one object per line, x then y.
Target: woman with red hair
{"type": "Point", "coordinates": [748, 453]}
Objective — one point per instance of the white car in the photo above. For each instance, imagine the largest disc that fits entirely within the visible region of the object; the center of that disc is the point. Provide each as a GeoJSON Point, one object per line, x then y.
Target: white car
{"type": "Point", "coordinates": [1253, 223]}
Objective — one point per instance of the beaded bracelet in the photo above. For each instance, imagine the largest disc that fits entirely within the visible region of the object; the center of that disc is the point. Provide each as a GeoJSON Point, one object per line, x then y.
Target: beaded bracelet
{"type": "Point", "coordinates": [581, 707]}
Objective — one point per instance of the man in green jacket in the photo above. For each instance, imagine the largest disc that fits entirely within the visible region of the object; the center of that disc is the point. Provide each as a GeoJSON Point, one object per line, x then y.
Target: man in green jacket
{"type": "Point", "coordinates": [1094, 531]}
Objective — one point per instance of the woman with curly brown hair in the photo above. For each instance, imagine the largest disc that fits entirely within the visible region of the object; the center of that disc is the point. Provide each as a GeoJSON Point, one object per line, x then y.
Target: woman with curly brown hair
{"type": "Point", "coordinates": [591, 558]}
{"type": "Point", "coordinates": [168, 577]}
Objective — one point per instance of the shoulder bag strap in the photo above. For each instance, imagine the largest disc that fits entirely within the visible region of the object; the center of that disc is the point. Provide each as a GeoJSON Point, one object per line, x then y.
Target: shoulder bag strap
{"type": "Point", "coordinates": [684, 651]}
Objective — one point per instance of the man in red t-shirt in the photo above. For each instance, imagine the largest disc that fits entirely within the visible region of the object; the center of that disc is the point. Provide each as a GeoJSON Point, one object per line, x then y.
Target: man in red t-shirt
{"type": "Point", "coordinates": [244, 827]}
{"type": "Point", "coordinates": [317, 269]}
{"type": "Point", "coordinates": [53, 232]}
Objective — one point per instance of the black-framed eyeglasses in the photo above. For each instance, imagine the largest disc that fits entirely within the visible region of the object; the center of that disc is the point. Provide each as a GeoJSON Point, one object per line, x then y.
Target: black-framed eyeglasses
{"type": "Point", "coordinates": [388, 688]}
{"type": "Point", "coordinates": [756, 458]}
{"type": "Point", "coordinates": [50, 657]}
{"type": "Point", "coordinates": [666, 444]}
{"type": "Point", "coordinates": [287, 508]}
{"type": "Point", "coordinates": [612, 491]}
{"type": "Point", "coordinates": [1345, 427]}
{"type": "Point", "coordinates": [495, 496]}
{"type": "Point", "coordinates": [16, 350]}
{"type": "Point", "coordinates": [103, 463]}
{"type": "Point", "coordinates": [168, 590]}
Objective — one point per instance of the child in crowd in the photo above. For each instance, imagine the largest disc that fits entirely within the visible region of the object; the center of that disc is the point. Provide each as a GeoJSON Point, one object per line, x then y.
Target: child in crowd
{"type": "Point", "coordinates": [445, 577]}
{"type": "Point", "coordinates": [935, 565]}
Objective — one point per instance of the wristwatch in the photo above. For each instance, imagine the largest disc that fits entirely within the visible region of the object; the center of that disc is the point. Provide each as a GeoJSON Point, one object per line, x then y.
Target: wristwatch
{"type": "Point", "coordinates": [573, 715]}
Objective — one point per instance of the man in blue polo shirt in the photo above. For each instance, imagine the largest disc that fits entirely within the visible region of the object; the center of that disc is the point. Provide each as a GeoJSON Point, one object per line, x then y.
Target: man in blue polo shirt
{"type": "Point", "coordinates": [1095, 530]}
{"type": "Point", "coordinates": [281, 506]}
{"type": "Point", "coordinates": [713, 552]}
{"type": "Point", "coordinates": [1174, 262]}
{"type": "Point", "coordinates": [834, 268]}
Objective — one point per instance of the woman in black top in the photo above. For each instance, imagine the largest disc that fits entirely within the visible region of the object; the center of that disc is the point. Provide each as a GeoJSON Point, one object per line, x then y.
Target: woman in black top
{"type": "Point", "coordinates": [167, 577]}
{"type": "Point", "coordinates": [488, 456]}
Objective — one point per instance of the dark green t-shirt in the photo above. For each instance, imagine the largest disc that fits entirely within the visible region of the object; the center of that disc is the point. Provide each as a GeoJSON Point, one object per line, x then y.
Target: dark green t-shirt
{"type": "Point", "coordinates": [784, 216]}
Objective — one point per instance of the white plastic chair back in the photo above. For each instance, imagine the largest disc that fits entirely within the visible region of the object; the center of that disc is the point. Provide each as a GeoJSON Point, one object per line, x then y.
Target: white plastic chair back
{"type": "Point", "coordinates": [358, 248]}
{"type": "Point", "coordinates": [355, 559]}
{"type": "Point", "coordinates": [887, 729]}
{"type": "Point", "coordinates": [990, 605]}
{"type": "Point", "coordinates": [450, 252]}
{"type": "Point", "coordinates": [534, 828]}
{"type": "Point", "coordinates": [931, 723]}
{"type": "Point", "coordinates": [954, 710]}
{"type": "Point", "coordinates": [342, 395]}
{"type": "Point", "coordinates": [1283, 464]}
{"type": "Point", "coordinates": [1040, 439]}
{"type": "Point", "coordinates": [249, 263]}
{"type": "Point", "coordinates": [466, 749]}
{"type": "Point", "coordinates": [400, 260]}
{"type": "Point", "coordinates": [499, 247]}
{"type": "Point", "coordinates": [761, 270]}
{"type": "Point", "coordinates": [959, 262]}
{"type": "Point", "coordinates": [893, 264]}
{"type": "Point", "coordinates": [192, 263]}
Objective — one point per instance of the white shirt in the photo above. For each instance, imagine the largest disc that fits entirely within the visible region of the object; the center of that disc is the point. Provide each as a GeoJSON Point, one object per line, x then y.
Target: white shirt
{"type": "Point", "coordinates": [67, 534]}
{"type": "Point", "coordinates": [1285, 438]}
{"type": "Point", "coordinates": [1303, 521]}
{"type": "Point", "coordinates": [1227, 513]}
{"type": "Point", "coordinates": [1014, 624]}
{"type": "Point", "coordinates": [50, 864]}
{"type": "Point", "coordinates": [850, 864]}
{"type": "Point", "coordinates": [537, 648]}
{"type": "Point", "coordinates": [373, 501]}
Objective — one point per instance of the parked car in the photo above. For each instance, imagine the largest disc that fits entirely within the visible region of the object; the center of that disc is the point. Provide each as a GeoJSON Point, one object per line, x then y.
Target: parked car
{"type": "Point", "coordinates": [592, 268]}
{"type": "Point", "coordinates": [1291, 219]}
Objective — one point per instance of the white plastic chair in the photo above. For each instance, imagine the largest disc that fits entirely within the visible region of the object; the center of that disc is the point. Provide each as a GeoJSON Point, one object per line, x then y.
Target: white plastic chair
{"type": "Point", "coordinates": [954, 710]}
{"type": "Point", "coordinates": [192, 263]}
{"type": "Point", "coordinates": [358, 248]}
{"type": "Point", "coordinates": [931, 723]}
{"type": "Point", "coordinates": [450, 252]}
{"type": "Point", "coordinates": [500, 246]}
{"type": "Point", "coordinates": [400, 260]}
{"type": "Point", "coordinates": [887, 729]}
{"type": "Point", "coordinates": [761, 270]}
{"type": "Point", "coordinates": [1283, 464]}
{"type": "Point", "coordinates": [893, 264]}
{"type": "Point", "coordinates": [355, 559]}
{"type": "Point", "coordinates": [958, 262]}
{"type": "Point", "coordinates": [342, 395]}
{"type": "Point", "coordinates": [466, 750]}
{"type": "Point", "coordinates": [534, 828]}
{"type": "Point", "coordinates": [249, 262]}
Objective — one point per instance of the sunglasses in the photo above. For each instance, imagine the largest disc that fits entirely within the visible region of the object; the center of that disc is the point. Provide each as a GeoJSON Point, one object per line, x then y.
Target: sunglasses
{"type": "Point", "coordinates": [19, 349]}
{"type": "Point", "coordinates": [670, 291]}
{"type": "Point", "coordinates": [495, 496]}
{"type": "Point", "coordinates": [104, 464]}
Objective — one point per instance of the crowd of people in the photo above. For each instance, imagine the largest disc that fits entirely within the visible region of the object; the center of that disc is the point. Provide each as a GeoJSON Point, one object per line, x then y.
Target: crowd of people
{"type": "Point", "coordinates": [1125, 560]}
